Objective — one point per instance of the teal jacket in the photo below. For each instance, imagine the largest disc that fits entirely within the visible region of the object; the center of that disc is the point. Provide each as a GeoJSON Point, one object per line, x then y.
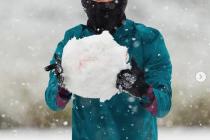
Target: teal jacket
{"type": "Point", "coordinates": [122, 117]}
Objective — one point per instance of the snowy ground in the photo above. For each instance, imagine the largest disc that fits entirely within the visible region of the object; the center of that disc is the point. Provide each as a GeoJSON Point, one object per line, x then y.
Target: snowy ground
{"type": "Point", "coordinates": [65, 134]}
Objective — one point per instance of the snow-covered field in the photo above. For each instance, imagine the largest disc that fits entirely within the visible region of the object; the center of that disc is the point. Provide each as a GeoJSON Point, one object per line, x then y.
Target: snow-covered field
{"type": "Point", "coordinates": [65, 134]}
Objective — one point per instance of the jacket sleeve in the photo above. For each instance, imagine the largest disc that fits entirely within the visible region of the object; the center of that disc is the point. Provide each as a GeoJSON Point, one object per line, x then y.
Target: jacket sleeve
{"type": "Point", "coordinates": [51, 93]}
{"type": "Point", "coordinates": [52, 98]}
{"type": "Point", "coordinates": [158, 70]}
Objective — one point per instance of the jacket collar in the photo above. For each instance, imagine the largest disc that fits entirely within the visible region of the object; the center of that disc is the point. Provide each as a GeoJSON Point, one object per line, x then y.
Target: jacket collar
{"type": "Point", "coordinates": [121, 32]}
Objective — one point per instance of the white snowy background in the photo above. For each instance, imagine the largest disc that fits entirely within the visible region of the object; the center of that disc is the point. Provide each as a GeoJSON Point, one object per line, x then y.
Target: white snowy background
{"type": "Point", "coordinates": [30, 31]}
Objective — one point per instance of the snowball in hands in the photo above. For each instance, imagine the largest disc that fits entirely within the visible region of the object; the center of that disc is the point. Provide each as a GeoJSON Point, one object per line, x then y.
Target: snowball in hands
{"type": "Point", "coordinates": [91, 65]}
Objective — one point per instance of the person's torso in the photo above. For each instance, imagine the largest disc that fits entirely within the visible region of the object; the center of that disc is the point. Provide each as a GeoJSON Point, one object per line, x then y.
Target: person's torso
{"type": "Point", "coordinates": [122, 117]}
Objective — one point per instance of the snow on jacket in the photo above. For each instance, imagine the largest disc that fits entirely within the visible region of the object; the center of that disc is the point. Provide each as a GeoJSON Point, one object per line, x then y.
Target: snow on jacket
{"type": "Point", "coordinates": [122, 117]}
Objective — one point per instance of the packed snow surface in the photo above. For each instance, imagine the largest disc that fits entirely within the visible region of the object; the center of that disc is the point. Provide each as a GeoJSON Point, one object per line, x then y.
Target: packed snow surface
{"type": "Point", "coordinates": [66, 134]}
{"type": "Point", "coordinates": [91, 65]}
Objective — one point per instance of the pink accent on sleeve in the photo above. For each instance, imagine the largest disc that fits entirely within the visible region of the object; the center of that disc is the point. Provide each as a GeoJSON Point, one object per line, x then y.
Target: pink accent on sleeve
{"type": "Point", "coordinates": [61, 102]}
{"type": "Point", "coordinates": [153, 107]}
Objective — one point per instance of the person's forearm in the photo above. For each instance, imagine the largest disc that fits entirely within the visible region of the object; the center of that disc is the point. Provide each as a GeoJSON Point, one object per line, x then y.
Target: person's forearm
{"type": "Point", "coordinates": [52, 95]}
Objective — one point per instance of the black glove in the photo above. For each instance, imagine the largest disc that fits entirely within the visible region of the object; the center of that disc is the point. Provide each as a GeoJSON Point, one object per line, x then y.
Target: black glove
{"type": "Point", "coordinates": [64, 93]}
{"type": "Point", "coordinates": [58, 69]}
{"type": "Point", "coordinates": [132, 80]}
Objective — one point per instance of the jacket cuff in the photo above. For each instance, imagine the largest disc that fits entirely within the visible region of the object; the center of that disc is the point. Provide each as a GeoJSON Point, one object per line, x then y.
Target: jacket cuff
{"type": "Point", "coordinates": [62, 97]}
{"type": "Point", "coordinates": [151, 106]}
{"type": "Point", "coordinates": [64, 93]}
{"type": "Point", "coordinates": [61, 102]}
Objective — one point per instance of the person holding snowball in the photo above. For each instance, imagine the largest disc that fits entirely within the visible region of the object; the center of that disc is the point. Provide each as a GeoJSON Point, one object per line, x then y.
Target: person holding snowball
{"type": "Point", "coordinates": [145, 88]}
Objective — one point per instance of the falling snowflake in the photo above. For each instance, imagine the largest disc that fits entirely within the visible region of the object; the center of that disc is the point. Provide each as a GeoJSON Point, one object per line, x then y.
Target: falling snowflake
{"type": "Point", "coordinates": [3, 115]}
{"type": "Point", "coordinates": [136, 44]}
{"type": "Point", "coordinates": [65, 123]}
{"type": "Point", "coordinates": [131, 99]}
{"type": "Point", "coordinates": [200, 76]}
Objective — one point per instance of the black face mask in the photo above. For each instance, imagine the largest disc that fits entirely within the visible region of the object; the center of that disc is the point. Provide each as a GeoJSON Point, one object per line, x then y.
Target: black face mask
{"type": "Point", "coordinates": [104, 15]}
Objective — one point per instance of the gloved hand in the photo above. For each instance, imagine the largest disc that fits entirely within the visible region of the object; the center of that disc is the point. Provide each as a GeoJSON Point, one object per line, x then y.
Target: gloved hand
{"type": "Point", "coordinates": [132, 80]}
{"type": "Point", "coordinates": [58, 70]}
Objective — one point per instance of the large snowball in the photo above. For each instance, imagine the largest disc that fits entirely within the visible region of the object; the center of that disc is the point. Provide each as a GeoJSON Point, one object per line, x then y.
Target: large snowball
{"type": "Point", "coordinates": [91, 65]}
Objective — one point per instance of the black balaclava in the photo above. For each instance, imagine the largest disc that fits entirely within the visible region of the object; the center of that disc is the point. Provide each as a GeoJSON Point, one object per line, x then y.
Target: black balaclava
{"type": "Point", "coordinates": [104, 15]}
